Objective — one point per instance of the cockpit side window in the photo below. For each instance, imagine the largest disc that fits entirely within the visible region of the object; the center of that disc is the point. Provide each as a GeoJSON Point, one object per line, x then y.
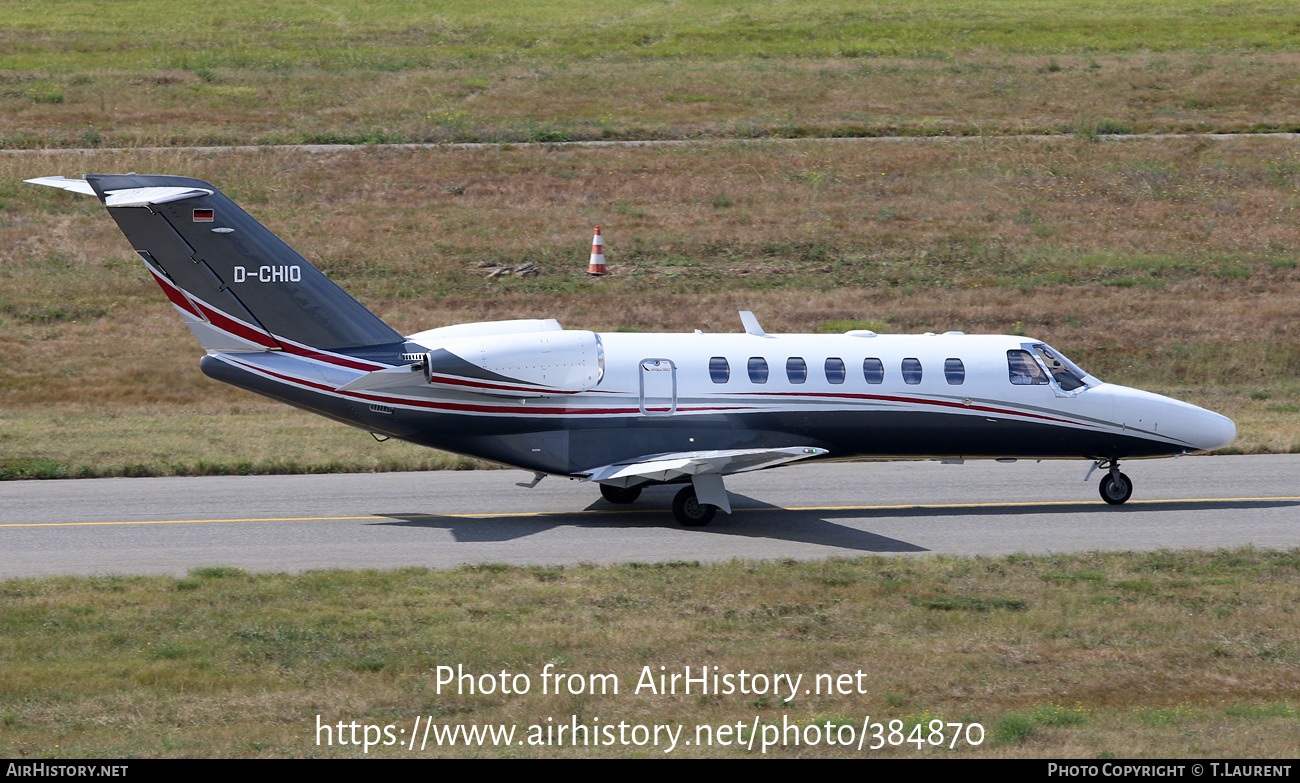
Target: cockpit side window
{"type": "Point", "coordinates": [1023, 370]}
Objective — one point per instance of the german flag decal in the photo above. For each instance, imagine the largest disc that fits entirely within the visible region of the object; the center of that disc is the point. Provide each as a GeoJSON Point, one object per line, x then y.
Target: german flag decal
{"type": "Point", "coordinates": [203, 215]}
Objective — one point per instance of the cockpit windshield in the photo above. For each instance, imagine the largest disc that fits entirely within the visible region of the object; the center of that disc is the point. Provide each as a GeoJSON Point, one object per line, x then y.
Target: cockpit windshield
{"type": "Point", "coordinates": [1065, 372]}
{"type": "Point", "coordinates": [1036, 364]}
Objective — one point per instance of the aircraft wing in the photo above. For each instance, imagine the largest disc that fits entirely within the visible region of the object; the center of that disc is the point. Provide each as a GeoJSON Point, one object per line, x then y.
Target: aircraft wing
{"type": "Point", "coordinates": [666, 467]}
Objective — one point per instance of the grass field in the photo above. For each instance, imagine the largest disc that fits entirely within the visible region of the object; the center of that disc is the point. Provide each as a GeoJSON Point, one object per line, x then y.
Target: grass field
{"type": "Point", "coordinates": [86, 74]}
{"type": "Point", "coordinates": [1166, 264]}
{"type": "Point", "coordinates": [1159, 655]}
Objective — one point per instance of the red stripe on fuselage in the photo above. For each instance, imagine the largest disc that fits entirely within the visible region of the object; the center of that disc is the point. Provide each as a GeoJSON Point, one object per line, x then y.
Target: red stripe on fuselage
{"type": "Point", "coordinates": [512, 408]}
{"type": "Point", "coordinates": [297, 349]}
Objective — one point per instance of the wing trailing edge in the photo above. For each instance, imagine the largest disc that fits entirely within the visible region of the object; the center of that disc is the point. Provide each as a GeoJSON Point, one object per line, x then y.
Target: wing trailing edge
{"type": "Point", "coordinates": [668, 467]}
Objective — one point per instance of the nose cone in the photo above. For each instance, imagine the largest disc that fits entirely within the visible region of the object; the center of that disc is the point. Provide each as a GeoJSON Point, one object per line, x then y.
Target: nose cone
{"type": "Point", "coordinates": [1183, 426]}
{"type": "Point", "coordinates": [1213, 431]}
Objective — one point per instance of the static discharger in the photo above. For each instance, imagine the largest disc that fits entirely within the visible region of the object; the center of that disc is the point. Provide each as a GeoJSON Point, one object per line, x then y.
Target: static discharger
{"type": "Point", "coordinates": [597, 266]}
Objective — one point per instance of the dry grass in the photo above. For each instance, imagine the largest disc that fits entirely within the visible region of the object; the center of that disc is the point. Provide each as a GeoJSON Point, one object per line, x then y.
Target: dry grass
{"type": "Point", "coordinates": [84, 74]}
{"type": "Point", "coordinates": [796, 97]}
{"type": "Point", "coordinates": [1164, 654]}
{"type": "Point", "coordinates": [1168, 265]}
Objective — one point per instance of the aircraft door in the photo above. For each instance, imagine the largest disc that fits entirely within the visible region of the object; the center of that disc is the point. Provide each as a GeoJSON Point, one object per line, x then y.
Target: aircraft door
{"type": "Point", "coordinates": [658, 387]}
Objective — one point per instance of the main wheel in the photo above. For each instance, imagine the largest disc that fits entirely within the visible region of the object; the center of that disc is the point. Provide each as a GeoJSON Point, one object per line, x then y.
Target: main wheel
{"type": "Point", "coordinates": [1115, 488]}
{"type": "Point", "coordinates": [619, 494]}
{"type": "Point", "coordinates": [690, 511]}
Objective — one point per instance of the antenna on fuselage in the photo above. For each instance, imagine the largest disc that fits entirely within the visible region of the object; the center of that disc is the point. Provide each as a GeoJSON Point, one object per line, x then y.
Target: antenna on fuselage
{"type": "Point", "coordinates": [751, 324]}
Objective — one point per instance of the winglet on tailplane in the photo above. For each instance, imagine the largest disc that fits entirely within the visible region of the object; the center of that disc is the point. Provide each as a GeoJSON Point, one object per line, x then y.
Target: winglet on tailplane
{"type": "Point", "coordinates": [236, 285]}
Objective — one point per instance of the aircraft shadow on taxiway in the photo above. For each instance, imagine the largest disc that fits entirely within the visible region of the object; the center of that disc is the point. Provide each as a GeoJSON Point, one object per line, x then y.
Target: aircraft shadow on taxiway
{"type": "Point", "coordinates": [756, 519]}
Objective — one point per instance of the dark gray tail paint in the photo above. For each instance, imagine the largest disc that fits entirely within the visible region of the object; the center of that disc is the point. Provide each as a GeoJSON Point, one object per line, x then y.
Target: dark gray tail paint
{"type": "Point", "coordinates": [215, 251]}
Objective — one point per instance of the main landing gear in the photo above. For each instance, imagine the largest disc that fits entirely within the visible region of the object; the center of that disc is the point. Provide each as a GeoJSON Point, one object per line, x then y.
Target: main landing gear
{"type": "Point", "coordinates": [687, 508]}
{"type": "Point", "coordinates": [620, 495]}
{"type": "Point", "coordinates": [1115, 487]}
{"type": "Point", "coordinates": [689, 511]}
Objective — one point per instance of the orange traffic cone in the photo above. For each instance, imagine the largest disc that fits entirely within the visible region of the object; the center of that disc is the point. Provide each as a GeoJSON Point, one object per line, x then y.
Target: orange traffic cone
{"type": "Point", "coordinates": [597, 266]}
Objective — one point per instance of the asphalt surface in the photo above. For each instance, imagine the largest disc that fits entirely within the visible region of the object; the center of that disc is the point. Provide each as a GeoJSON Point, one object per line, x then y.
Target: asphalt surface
{"type": "Point", "coordinates": [297, 523]}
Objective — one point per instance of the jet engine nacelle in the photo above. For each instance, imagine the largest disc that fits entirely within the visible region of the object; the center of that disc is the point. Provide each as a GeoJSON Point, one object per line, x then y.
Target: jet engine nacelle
{"type": "Point", "coordinates": [519, 365]}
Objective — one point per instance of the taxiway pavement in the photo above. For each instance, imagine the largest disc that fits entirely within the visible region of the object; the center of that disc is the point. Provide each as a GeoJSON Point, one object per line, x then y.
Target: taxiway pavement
{"type": "Point", "coordinates": [442, 519]}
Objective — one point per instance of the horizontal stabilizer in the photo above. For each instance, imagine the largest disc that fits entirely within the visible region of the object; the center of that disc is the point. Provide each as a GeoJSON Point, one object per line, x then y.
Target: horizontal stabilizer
{"type": "Point", "coordinates": [142, 197]}
{"type": "Point", "coordinates": [667, 467]}
{"type": "Point", "coordinates": [126, 197]}
{"type": "Point", "coordinates": [74, 185]}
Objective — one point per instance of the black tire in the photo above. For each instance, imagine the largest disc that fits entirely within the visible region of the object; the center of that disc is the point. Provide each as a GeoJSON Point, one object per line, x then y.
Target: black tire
{"type": "Point", "coordinates": [1115, 488]}
{"type": "Point", "coordinates": [689, 511]}
{"type": "Point", "coordinates": [619, 495]}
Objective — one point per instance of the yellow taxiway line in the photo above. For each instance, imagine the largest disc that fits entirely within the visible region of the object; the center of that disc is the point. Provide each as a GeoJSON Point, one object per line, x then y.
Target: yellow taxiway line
{"type": "Point", "coordinates": [488, 515]}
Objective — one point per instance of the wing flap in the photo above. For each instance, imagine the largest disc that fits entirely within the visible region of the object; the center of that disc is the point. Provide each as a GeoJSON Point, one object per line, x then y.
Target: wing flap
{"type": "Point", "coordinates": [667, 467]}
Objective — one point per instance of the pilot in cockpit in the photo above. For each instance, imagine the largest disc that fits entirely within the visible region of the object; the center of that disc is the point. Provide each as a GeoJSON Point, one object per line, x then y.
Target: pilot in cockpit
{"type": "Point", "coordinates": [1024, 370]}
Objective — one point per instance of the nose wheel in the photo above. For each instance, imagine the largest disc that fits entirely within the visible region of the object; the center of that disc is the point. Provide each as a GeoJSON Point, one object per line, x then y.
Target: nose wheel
{"type": "Point", "coordinates": [1115, 487]}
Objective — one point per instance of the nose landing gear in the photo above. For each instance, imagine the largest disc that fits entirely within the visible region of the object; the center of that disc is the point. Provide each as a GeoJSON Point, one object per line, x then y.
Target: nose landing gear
{"type": "Point", "coordinates": [1115, 487]}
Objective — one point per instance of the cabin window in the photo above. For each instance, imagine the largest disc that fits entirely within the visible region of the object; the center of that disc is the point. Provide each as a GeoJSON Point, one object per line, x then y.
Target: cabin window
{"type": "Point", "coordinates": [835, 371]}
{"type": "Point", "coordinates": [757, 369]}
{"type": "Point", "coordinates": [796, 369]}
{"type": "Point", "coordinates": [719, 370]}
{"type": "Point", "coordinates": [1023, 370]}
{"type": "Point", "coordinates": [954, 371]}
{"type": "Point", "coordinates": [873, 370]}
{"type": "Point", "coordinates": [911, 371]}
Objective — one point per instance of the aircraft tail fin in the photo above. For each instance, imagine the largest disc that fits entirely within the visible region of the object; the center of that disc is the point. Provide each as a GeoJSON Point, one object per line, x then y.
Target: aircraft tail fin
{"type": "Point", "coordinates": [236, 285]}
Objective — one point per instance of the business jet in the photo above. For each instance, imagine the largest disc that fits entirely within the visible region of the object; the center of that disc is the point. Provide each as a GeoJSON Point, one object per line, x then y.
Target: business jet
{"type": "Point", "coordinates": [624, 410]}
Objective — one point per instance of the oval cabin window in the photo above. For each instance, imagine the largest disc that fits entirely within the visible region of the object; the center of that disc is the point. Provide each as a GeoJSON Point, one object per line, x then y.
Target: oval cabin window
{"type": "Point", "coordinates": [719, 369]}
{"type": "Point", "coordinates": [954, 371]}
{"type": "Point", "coordinates": [911, 371]}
